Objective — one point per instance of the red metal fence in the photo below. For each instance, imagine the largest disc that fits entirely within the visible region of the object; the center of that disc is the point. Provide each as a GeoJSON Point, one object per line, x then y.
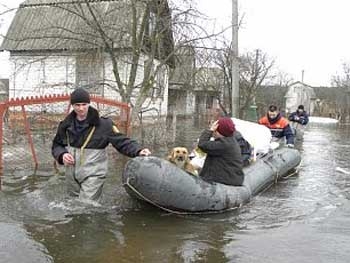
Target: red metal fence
{"type": "Point", "coordinates": [28, 126]}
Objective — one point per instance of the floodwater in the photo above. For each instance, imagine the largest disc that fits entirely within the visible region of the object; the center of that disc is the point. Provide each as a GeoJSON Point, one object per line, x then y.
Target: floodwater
{"type": "Point", "coordinates": [303, 219]}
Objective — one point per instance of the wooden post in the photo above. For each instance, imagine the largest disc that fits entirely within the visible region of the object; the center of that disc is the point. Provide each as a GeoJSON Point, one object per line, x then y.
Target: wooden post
{"type": "Point", "coordinates": [235, 63]}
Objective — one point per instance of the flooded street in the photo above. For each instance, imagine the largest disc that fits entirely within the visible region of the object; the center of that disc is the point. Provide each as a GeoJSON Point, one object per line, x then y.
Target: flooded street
{"type": "Point", "coordinates": [303, 219]}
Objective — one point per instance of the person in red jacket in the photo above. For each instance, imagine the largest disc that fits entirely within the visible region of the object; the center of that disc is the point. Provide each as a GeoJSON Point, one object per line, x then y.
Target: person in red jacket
{"type": "Point", "coordinates": [278, 125]}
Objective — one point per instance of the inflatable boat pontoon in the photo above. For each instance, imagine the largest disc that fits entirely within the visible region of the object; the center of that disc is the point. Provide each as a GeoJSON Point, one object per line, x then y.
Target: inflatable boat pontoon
{"type": "Point", "coordinates": [162, 184]}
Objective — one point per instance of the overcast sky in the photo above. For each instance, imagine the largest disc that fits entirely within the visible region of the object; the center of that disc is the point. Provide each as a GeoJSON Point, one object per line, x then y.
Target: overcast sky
{"type": "Point", "coordinates": [309, 35]}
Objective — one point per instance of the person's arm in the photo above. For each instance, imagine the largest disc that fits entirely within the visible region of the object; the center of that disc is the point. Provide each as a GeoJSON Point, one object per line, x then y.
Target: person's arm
{"type": "Point", "coordinates": [260, 121]}
{"type": "Point", "coordinates": [124, 144]}
{"type": "Point", "coordinates": [288, 133]}
{"type": "Point", "coordinates": [206, 144]}
{"type": "Point", "coordinates": [59, 144]}
{"type": "Point", "coordinates": [305, 119]}
{"type": "Point", "coordinates": [295, 117]}
{"type": "Point", "coordinates": [292, 116]}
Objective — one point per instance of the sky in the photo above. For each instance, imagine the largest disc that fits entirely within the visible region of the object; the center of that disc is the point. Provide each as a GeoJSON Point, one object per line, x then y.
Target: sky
{"type": "Point", "coordinates": [299, 35]}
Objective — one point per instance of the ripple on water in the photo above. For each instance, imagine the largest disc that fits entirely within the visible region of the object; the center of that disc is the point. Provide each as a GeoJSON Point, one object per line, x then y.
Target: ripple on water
{"type": "Point", "coordinates": [17, 246]}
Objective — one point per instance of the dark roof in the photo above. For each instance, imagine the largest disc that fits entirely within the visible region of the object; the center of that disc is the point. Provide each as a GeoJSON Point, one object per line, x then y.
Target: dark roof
{"type": "Point", "coordinates": [53, 25]}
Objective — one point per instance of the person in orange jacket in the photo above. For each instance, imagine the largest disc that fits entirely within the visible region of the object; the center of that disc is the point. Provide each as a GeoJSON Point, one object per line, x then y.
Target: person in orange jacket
{"type": "Point", "coordinates": [278, 125]}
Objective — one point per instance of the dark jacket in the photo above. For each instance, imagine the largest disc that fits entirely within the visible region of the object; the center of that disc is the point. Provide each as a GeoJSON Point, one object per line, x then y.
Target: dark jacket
{"type": "Point", "coordinates": [223, 163]}
{"type": "Point", "coordinates": [246, 148]}
{"type": "Point", "coordinates": [104, 134]}
{"type": "Point", "coordinates": [303, 117]}
{"type": "Point", "coordinates": [279, 127]}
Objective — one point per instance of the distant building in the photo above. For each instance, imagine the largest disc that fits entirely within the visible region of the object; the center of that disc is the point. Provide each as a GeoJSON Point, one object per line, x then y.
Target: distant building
{"type": "Point", "coordinates": [209, 88]}
{"type": "Point", "coordinates": [182, 82]}
{"type": "Point", "coordinates": [299, 93]}
{"type": "Point", "coordinates": [192, 89]}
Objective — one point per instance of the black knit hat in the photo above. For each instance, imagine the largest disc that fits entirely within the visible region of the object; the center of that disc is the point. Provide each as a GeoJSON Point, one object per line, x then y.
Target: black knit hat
{"type": "Point", "coordinates": [272, 108]}
{"type": "Point", "coordinates": [79, 96]}
{"type": "Point", "coordinates": [301, 107]}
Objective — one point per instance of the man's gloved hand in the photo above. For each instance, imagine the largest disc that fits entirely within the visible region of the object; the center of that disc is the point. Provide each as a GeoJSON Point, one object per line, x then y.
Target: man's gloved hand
{"type": "Point", "coordinates": [290, 145]}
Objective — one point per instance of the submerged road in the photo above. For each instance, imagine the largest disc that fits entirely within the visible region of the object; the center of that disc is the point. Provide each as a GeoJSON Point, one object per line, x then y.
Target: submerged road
{"type": "Point", "coordinates": [303, 219]}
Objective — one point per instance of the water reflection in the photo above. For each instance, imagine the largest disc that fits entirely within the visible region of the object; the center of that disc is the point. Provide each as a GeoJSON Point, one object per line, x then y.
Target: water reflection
{"type": "Point", "coordinates": [16, 245]}
{"type": "Point", "coordinates": [302, 219]}
{"type": "Point", "coordinates": [144, 236]}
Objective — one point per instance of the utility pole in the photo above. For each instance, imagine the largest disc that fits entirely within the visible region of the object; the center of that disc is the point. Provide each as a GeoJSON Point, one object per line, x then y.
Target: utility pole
{"type": "Point", "coordinates": [235, 65]}
{"type": "Point", "coordinates": [302, 76]}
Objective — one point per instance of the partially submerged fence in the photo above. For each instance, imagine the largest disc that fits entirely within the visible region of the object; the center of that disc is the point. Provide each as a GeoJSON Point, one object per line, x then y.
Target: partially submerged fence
{"type": "Point", "coordinates": [28, 126]}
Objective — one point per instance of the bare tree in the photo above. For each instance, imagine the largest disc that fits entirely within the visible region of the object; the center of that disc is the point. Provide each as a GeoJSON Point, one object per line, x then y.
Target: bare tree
{"type": "Point", "coordinates": [136, 36]}
{"type": "Point", "coordinates": [337, 101]}
{"type": "Point", "coordinates": [255, 69]}
{"type": "Point", "coordinates": [343, 80]}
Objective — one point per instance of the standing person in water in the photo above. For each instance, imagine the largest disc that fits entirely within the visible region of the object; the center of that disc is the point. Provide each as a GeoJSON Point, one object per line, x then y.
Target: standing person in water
{"type": "Point", "coordinates": [278, 125]}
{"type": "Point", "coordinates": [80, 144]}
{"type": "Point", "coordinates": [300, 116]}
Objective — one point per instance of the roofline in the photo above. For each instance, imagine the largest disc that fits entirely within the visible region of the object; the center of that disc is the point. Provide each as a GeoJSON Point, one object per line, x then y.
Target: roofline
{"type": "Point", "coordinates": [23, 5]}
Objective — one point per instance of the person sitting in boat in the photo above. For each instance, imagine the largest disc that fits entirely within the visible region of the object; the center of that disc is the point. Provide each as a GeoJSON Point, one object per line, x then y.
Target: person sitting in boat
{"type": "Point", "coordinates": [246, 148]}
{"type": "Point", "coordinates": [223, 163]}
{"type": "Point", "coordinates": [278, 125]}
{"type": "Point", "coordinates": [300, 116]}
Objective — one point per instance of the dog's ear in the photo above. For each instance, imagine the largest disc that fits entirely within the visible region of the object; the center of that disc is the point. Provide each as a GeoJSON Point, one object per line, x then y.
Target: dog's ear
{"type": "Point", "coordinates": [171, 155]}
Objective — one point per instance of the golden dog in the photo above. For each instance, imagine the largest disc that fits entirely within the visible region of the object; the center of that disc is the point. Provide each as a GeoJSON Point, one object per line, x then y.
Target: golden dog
{"type": "Point", "coordinates": [180, 157]}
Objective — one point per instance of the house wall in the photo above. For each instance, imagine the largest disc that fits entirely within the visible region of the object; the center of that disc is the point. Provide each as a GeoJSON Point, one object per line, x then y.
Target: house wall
{"type": "Point", "coordinates": [158, 102]}
{"type": "Point", "coordinates": [190, 103]}
{"type": "Point", "coordinates": [40, 75]}
{"type": "Point", "coordinates": [182, 101]}
{"type": "Point", "coordinates": [4, 89]}
{"type": "Point", "coordinates": [300, 95]}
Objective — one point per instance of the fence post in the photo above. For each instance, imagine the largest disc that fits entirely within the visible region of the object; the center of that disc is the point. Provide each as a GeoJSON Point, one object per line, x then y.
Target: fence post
{"type": "Point", "coordinates": [29, 134]}
{"type": "Point", "coordinates": [37, 100]}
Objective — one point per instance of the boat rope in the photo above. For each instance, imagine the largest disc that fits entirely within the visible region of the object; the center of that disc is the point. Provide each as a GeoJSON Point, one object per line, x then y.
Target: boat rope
{"type": "Point", "coordinates": [149, 200]}
{"type": "Point", "coordinates": [294, 172]}
{"type": "Point", "coordinates": [169, 210]}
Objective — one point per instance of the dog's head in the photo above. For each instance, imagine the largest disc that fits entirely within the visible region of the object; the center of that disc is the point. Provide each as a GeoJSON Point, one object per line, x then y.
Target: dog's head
{"type": "Point", "coordinates": [179, 156]}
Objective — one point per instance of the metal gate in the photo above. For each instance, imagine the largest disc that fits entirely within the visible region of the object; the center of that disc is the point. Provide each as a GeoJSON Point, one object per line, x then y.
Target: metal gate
{"type": "Point", "coordinates": [28, 126]}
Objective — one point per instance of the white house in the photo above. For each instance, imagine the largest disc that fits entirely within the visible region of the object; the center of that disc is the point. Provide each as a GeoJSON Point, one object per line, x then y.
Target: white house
{"type": "Point", "coordinates": [300, 94]}
{"type": "Point", "coordinates": [58, 45]}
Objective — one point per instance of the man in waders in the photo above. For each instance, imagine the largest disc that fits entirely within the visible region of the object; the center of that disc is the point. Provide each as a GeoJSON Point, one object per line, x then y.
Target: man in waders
{"type": "Point", "coordinates": [80, 144]}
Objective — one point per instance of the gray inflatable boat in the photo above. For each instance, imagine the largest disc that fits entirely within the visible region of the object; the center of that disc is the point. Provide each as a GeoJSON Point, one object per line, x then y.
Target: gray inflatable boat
{"type": "Point", "coordinates": [163, 185]}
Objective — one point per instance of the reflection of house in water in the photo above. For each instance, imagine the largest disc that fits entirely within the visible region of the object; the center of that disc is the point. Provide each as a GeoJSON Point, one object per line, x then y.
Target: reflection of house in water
{"type": "Point", "coordinates": [300, 94]}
